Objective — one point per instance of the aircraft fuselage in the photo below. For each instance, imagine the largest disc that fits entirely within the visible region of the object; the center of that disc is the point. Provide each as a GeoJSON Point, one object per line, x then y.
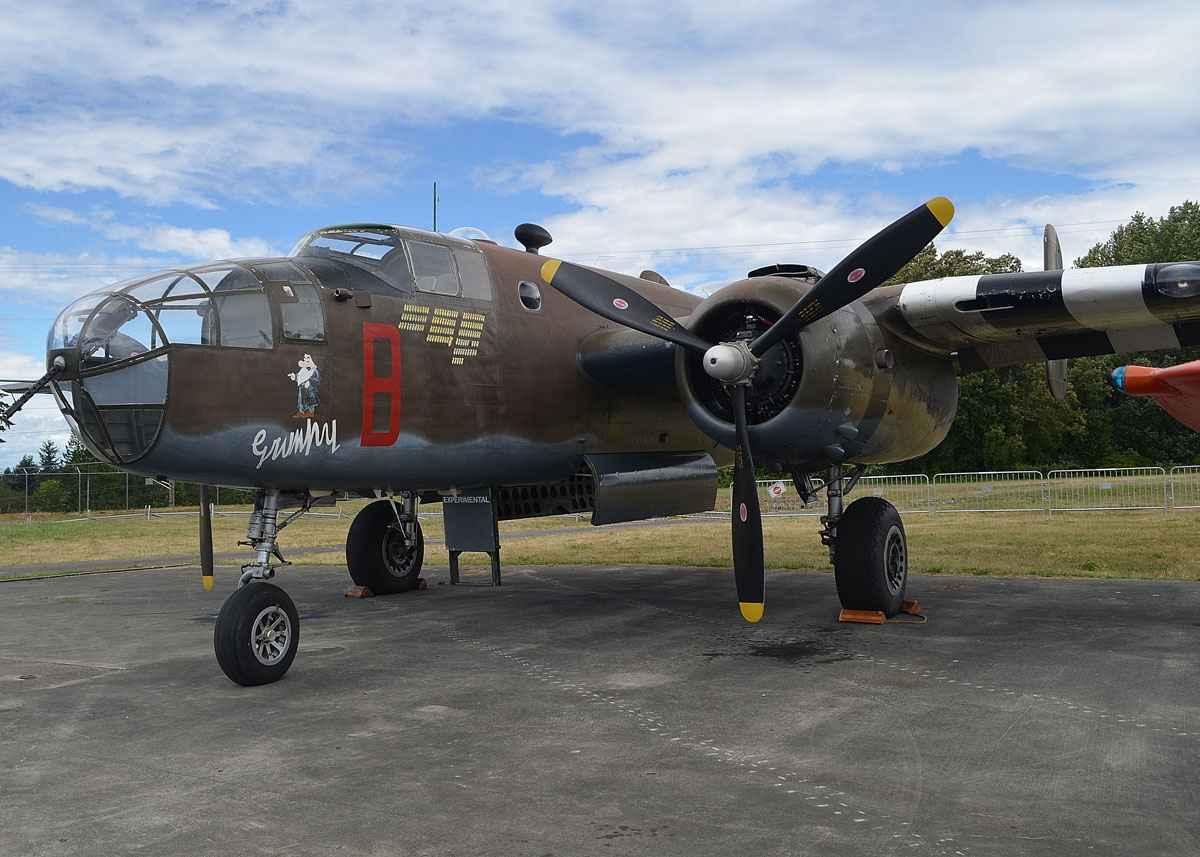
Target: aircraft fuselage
{"type": "Point", "coordinates": [328, 371]}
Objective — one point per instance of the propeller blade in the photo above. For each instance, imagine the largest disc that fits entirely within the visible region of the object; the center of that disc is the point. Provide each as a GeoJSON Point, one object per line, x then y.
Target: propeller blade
{"type": "Point", "coordinates": [609, 299]}
{"type": "Point", "coordinates": [206, 550]}
{"type": "Point", "coordinates": [748, 571]}
{"type": "Point", "coordinates": [870, 265]}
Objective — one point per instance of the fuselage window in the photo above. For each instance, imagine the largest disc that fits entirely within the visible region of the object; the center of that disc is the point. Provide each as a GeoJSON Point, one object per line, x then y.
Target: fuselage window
{"type": "Point", "coordinates": [472, 268]}
{"type": "Point", "coordinates": [530, 295]}
{"type": "Point", "coordinates": [433, 269]}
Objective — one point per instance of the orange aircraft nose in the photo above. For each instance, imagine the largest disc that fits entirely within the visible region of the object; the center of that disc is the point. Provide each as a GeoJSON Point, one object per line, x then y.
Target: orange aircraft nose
{"type": "Point", "coordinates": [1141, 381]}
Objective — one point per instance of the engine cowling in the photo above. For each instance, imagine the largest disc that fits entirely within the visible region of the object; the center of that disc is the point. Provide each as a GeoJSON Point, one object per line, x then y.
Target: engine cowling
{"type": "Point", "coordinates": [843, 389]}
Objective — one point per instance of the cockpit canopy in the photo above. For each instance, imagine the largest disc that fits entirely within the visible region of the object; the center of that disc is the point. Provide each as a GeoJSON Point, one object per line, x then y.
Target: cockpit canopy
{"type": "Point", "coordinates": [406, 260]}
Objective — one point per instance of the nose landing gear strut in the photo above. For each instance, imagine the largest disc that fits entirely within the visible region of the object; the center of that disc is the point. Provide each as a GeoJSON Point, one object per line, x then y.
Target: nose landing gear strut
{"type": "Point", "coordinates": [258, 628]}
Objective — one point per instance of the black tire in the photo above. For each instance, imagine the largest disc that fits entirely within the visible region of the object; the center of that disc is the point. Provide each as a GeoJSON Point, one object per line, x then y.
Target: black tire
{"type": "Point", "coordinates": [377, 554]}
{"type": "Point", "coordinates": [258, 630]}
{"type": "Point", "coordinates": [871, 561]}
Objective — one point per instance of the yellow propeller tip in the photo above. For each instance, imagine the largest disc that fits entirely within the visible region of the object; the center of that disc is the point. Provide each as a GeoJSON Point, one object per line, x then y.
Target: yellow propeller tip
{"type": "Point", "coordinates": [550, 269]}
{"type": "Point", "coordinates": [208, 582]}
{"type": "Point", "coordinates": [751, 612]}
{"type": "Point", "coordinates": [942, 209]}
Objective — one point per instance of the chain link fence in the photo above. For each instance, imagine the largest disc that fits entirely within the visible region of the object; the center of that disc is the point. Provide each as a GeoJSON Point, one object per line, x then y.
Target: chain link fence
{"type": "Point", "coordinates": [91, 492]}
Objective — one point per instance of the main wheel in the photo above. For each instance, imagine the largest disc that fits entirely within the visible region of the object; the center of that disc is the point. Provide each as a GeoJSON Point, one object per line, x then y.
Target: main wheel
{"type": "Point", "coordinates": [871, 561]}
{"type": "Point", "coordinates": [377, 553]}
{"type": "Point", "coordinates": [258, 630]}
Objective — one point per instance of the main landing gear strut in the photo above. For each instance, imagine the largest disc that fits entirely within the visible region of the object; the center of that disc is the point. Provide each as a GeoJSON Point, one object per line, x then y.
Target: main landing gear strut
{"type": "Point", "coordinates": [867, 546]}
{"type": "Point", "coordinates": [258, 628]}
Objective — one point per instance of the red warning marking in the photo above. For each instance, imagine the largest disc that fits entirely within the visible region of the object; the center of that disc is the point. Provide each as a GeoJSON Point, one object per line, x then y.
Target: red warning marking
{"type": "Point", "coordinates": [620, 303]}
{"type": "Point", "coordinates": [742, 512]}
{"type": "Point", "coordinates": [856, 275]}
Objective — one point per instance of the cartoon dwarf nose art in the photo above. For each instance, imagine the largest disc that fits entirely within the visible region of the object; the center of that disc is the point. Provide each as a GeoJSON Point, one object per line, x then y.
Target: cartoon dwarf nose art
{"type": "Point", "coordinates": [307, 379]}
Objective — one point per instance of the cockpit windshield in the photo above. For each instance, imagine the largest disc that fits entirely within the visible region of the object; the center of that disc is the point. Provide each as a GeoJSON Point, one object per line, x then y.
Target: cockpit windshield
{"type": "Point", "coordinates": [379, 250]}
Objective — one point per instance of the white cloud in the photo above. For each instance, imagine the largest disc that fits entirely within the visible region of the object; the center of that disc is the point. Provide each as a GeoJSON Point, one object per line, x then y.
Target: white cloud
{"type": "Point", "coordinates": [195, 244]}
{"type": "Point", "coordinates": [707, 123]}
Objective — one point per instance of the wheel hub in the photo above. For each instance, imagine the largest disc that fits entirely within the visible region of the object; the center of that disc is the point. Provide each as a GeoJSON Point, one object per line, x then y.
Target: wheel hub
{"type": "Point", "coordinates": [398, 551]}
{"type": "Point", "coordinates": [895, 560]}
{"type": "Point", "coordinates": [271, 635]}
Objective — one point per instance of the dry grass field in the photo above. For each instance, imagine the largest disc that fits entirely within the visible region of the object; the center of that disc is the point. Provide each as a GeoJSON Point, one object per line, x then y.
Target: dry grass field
{"type": "Point", "coordinates": [1147, 545]}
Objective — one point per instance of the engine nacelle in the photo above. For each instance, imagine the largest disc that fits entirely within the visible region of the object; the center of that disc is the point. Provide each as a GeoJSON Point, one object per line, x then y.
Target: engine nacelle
{"type": "Point", "coordinates": [844, 389]}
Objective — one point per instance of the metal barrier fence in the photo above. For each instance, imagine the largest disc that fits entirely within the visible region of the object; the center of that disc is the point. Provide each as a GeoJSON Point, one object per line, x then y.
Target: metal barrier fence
{"type": "Point", "coordinates": [908, 493]}
{"type": "Point", "coordinates": [1124, 488]}
{"type": "Point", "coordinates": [993, 491]}
{"type": "Point", "coordinates": [1127, 488]}
{"type": "Point", "coordinates": [1114, 488]}
{"type": "Point", "coordinates": [1185, 487]}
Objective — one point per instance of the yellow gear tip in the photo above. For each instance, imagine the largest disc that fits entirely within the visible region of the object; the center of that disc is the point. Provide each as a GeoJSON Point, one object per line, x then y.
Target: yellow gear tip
{"type": "Point", "coordinates": [751, 612]}
{"type": "Point", "coordinates": [208, 581]}
{"type": "Point", "coordinates": [550, 269]}
{"type": "Point", "coordinates": [942, 209]}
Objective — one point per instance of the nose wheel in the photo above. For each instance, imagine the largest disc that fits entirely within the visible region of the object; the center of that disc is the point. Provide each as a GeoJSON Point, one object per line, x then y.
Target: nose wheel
{"type": "Point", "coordinates": [258, 630]}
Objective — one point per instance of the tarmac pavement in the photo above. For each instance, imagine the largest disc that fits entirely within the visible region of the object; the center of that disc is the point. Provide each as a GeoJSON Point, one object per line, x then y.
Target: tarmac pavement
{"type": "Point", "coordinates": [603, 710]}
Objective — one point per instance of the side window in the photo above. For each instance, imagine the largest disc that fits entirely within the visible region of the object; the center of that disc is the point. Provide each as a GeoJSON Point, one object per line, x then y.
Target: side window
{"type": "Point", "coordinates": [472, 267]}
{"type": "Point", "coordinates": [299, 303]}
{"type": "Point", "coordinates": [242, 309]}
{"type": "Point", "coordinates": [300, 312]}
{"type": "Point", "coordinates": [245, 320]}
{"type": "Point", "coordinates": [433, 269]}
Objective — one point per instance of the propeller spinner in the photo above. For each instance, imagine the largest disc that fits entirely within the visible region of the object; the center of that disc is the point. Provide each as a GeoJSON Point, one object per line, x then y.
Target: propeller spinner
{"type": "Point", "coordinates": [733, 364]}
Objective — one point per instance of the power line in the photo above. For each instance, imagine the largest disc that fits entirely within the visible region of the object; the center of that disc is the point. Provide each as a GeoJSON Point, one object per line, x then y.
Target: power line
{"type": "Point", "coordinates": [834, 243]}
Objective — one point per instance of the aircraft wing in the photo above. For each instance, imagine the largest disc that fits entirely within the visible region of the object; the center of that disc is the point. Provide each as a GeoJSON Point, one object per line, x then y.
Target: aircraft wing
{"type": "Point", "coordinates": [999, 320]}
{"type": "Point", "coordinates": [1175, 388]}
{"type": "Point", "coordinates": [16, 388]}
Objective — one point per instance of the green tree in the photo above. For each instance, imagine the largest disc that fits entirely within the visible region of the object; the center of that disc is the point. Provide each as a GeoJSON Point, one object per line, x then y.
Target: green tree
{"type": "Point", "coordinates": [1174, 238]}
{"type": "Point", "coordinates": [75, 452]}
{"type": "Point", "coordinates": [928, 265]}
{"type": "Point", "coordinates": [50, 496]}
{"type": "Point", "coordinates": [11, 500]}
{"type": "Point", "coordinates": [15, 476]}
{"type": "Point", "coordinates": [48, 461]}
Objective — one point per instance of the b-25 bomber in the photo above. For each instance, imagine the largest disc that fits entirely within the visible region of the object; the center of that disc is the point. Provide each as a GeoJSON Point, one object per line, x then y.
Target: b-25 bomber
{"type": "Point", "coordinates": [417, 367]}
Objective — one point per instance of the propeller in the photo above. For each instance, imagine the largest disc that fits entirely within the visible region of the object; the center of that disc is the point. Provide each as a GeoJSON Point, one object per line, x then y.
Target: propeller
{"type": "Point", "coordinates": [206, 550]}
{"type": "Point", "coordinates": [734, 363]}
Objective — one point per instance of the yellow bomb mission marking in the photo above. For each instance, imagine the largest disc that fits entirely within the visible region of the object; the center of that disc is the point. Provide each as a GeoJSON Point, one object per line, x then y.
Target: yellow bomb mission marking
{"type": "Point", "coordinates": [458, 331]}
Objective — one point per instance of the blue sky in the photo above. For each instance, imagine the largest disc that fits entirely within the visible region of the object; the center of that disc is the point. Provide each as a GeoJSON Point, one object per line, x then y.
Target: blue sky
{"type": "Point", "coordinates": [696, 138]}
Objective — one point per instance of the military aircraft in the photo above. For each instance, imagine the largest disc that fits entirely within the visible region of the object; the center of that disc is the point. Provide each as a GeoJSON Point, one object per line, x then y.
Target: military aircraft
{"type": "Point", "coordinates": [418, 367]}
